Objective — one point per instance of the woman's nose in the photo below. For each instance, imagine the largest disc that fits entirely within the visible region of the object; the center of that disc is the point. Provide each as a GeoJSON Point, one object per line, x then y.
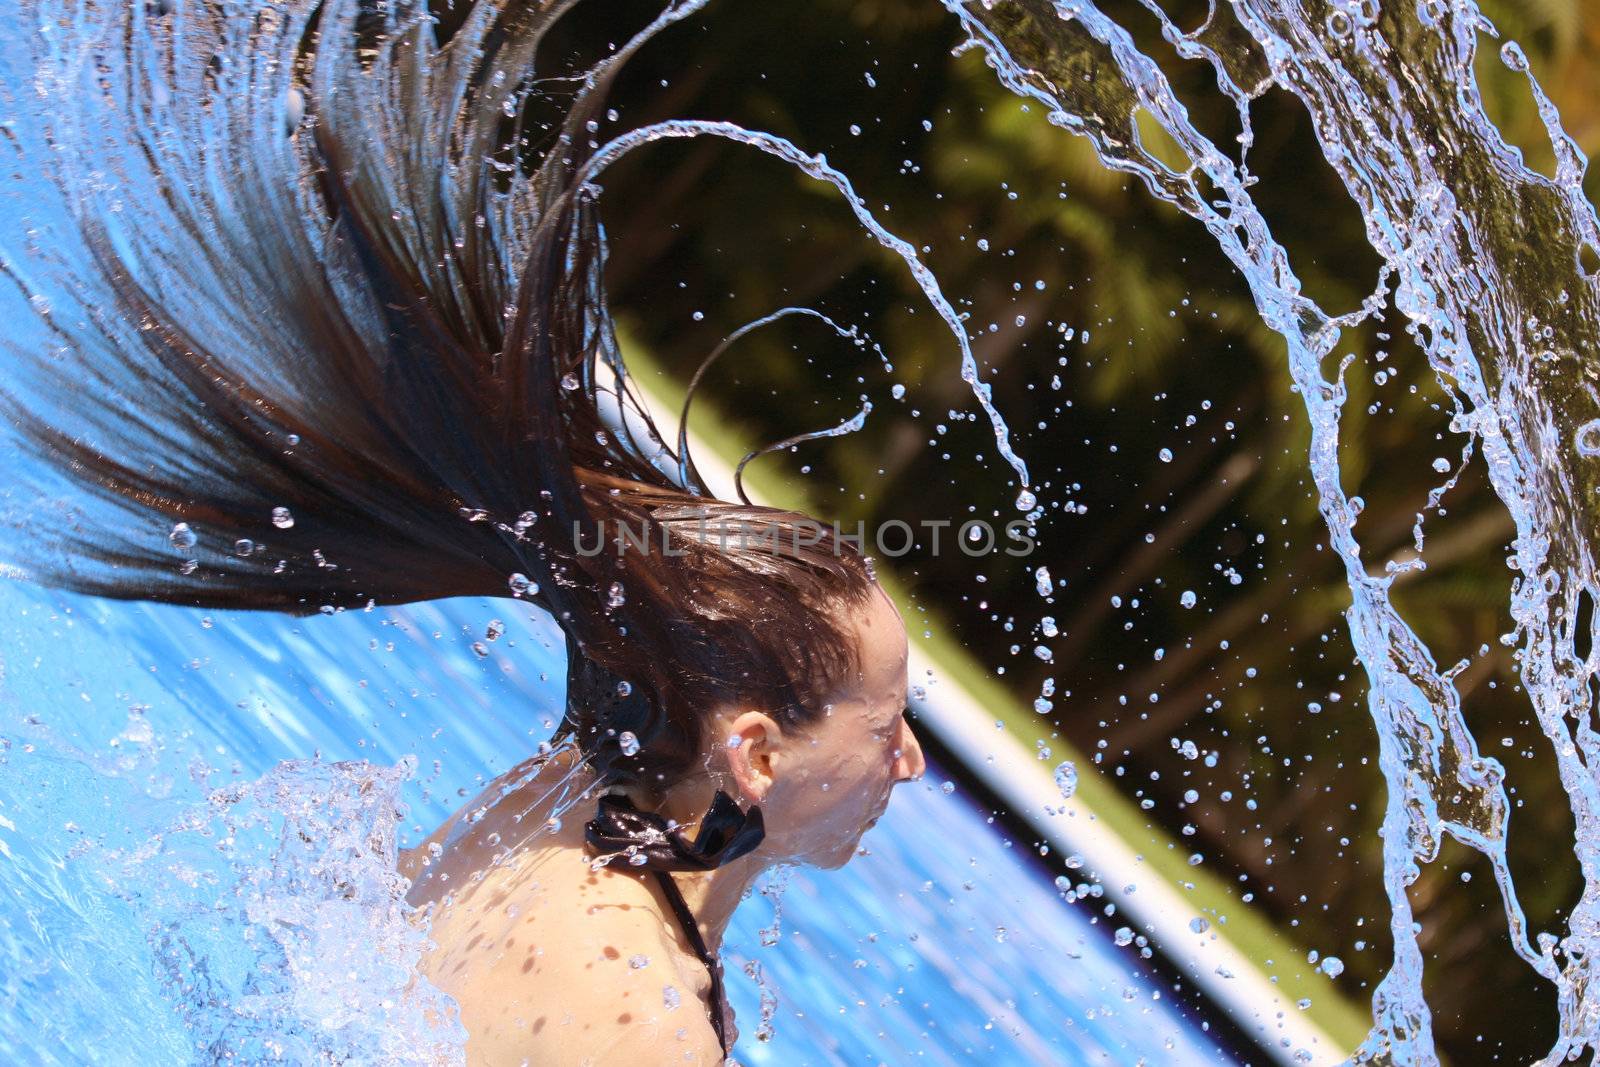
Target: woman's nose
{"type": "Point", "coordinates": [909, 764]}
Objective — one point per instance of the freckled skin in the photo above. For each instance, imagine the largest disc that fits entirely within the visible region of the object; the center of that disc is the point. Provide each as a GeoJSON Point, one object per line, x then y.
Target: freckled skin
{"type": "Point", "coordinates": [578, 933]}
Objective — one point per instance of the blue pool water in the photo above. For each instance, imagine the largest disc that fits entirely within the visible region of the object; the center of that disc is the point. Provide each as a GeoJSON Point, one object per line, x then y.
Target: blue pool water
{"type": "Point", "coordinates": [169, 893]}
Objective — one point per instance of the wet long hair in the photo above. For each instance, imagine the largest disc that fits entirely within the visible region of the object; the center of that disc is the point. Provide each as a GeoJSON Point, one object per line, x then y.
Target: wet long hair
{"type": "Point", "coordinates": [315, 329]}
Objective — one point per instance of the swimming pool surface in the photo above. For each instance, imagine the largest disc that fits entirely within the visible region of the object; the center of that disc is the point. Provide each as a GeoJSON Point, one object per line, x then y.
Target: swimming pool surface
{"type": "Point", "coordinates": [169, 893]}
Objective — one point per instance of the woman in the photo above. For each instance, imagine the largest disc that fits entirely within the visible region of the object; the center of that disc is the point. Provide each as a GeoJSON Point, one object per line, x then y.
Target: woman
{"type": "Point", "coordinates": [364, 332]}
{"type": "Point", "coordinates": [555, 961]}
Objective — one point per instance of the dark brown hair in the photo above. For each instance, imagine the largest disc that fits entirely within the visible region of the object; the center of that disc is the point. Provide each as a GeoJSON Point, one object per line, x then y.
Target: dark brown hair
{"type": "Point", "coordinates": [385, 372]}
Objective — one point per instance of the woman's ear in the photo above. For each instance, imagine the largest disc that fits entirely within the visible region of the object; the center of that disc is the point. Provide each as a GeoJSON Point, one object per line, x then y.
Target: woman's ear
{"type": "Point", "coordinates": [754, 749]}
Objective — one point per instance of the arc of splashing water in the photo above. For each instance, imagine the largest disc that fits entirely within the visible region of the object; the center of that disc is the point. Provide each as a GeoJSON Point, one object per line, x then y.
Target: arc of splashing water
{"type": "Point", "coordinates": [1425, 743]}
{"type": "Point", "coordinates": [1310, 334]}
{"type": "Point", "coordinates": [817, 167]}
{"type": "Point", "coordinates": [1454, 238]}
{"type": "Point", "coordinates": [687, 474]}
{"type": "Point", "coordinates": [848, 426]}
{"type": "Point", "coordinates": [412, 133]}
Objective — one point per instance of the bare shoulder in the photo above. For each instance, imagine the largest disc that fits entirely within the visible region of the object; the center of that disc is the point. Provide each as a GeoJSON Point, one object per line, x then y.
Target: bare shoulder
{"type": "Point", "coordinates": [645, 995]}
{"type": "Point", "coordinates": [591, 976]}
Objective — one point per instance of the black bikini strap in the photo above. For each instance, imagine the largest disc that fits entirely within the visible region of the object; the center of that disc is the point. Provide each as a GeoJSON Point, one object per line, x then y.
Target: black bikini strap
{"type": "Point", "coordinates": [649, 841]}
{"type": "Point", "coordinates": [691, 930]}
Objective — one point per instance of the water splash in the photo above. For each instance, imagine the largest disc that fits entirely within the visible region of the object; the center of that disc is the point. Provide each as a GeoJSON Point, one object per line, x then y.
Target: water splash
{"type": "Point", "coordinates": [308, 953]}
{"type": "Point", "coordinates": [687, 475]}
{"type": "Point", "coordinates": [817, 167]}
{"type": "Point", "coordinates": [1450, 207]}
{"type": "Point", "coordinates": [260, 921]}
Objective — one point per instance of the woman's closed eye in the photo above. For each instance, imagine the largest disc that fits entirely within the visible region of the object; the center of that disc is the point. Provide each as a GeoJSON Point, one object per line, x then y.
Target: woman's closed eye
{"type": "Point", "coordinates": [890, 731]}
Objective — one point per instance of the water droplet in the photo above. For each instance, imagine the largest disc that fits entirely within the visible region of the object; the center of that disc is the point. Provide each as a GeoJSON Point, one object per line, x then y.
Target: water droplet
{"type": "Point", "coordinates": [898, 391]}
{"type": "Point", "coordinates": [243, 547]}
{"type": "Point", "coordinates": [1199, 925]}
{"type": "Point", "coordinates": [570, 382]}
{"type": "Point", "coordinates": [282, 519]}
{"type": "Point", "coordinates": [494, 629]}
{"type": "Point", "coordinates": [628, 743]}
{"type": "Point", "coordinates": [1588, 438]}
{"type": "Point", "coordinates": [1441, 465]}
{"type": "Point", "coordinates": [521, 586]}
{"type": "Point", "coordinates": [182, 537]}
{"type": "Point", "coordinates": [1066, 779]}
{"type": "Point", "coordinates": [1123, 936]}
{"type": "Point", "coordinates": [1165, 455]}
{"type": "Point", "coordinates": [1042, 583]}
{"type": "Point", "coordinates": [294, 110]}
{"type": "Point", "coordinates": [1026, 501]}
{"type": "Point", "coordinates": [1332, 966]}
{"type": "Point", "coordinates": [670, 998]}
{"type": "Point", "coordinates": [615, 597]}
{"type": "Point", "coordinates": [1512, 56]}
{"type": "Point", "coordinates": [1187, 599]}
{"type": "Point", "coordinates": [639, 962]}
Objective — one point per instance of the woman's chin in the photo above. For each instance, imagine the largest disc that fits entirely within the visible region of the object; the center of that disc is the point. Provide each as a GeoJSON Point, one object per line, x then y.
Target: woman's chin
{"type": "Point", "coordinates": [834, 862]}
{"type": "Point", "coordinates": [845, 851]}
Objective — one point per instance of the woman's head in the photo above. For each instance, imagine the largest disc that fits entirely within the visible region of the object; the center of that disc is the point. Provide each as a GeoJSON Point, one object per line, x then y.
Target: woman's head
{"type": "Point", "coordinates": [758, 650]}
{"type": "Point", "coordinates": [821, 771]}
{"type": "Point", "coordinates": [823, 781]}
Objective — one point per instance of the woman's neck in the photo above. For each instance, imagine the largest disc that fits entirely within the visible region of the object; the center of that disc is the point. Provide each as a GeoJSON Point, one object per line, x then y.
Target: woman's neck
{"type": "Point", "coordinates": [712, 896]}
{"type": "Point", "coordinates": [510, 815]}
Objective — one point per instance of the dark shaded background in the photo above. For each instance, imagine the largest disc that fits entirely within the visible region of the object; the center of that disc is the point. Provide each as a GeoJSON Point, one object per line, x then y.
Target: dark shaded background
{"type": "Point", "coordinates": [1112, 329]}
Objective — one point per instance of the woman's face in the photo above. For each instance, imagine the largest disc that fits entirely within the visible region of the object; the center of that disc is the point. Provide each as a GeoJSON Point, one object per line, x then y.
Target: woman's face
{"type": "Point", "coordinates": [832, 778]}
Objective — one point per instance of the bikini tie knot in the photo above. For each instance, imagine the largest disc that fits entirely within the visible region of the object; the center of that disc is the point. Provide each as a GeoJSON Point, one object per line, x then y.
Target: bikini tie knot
{"type": "Point", "coordinates": [726, 833]}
